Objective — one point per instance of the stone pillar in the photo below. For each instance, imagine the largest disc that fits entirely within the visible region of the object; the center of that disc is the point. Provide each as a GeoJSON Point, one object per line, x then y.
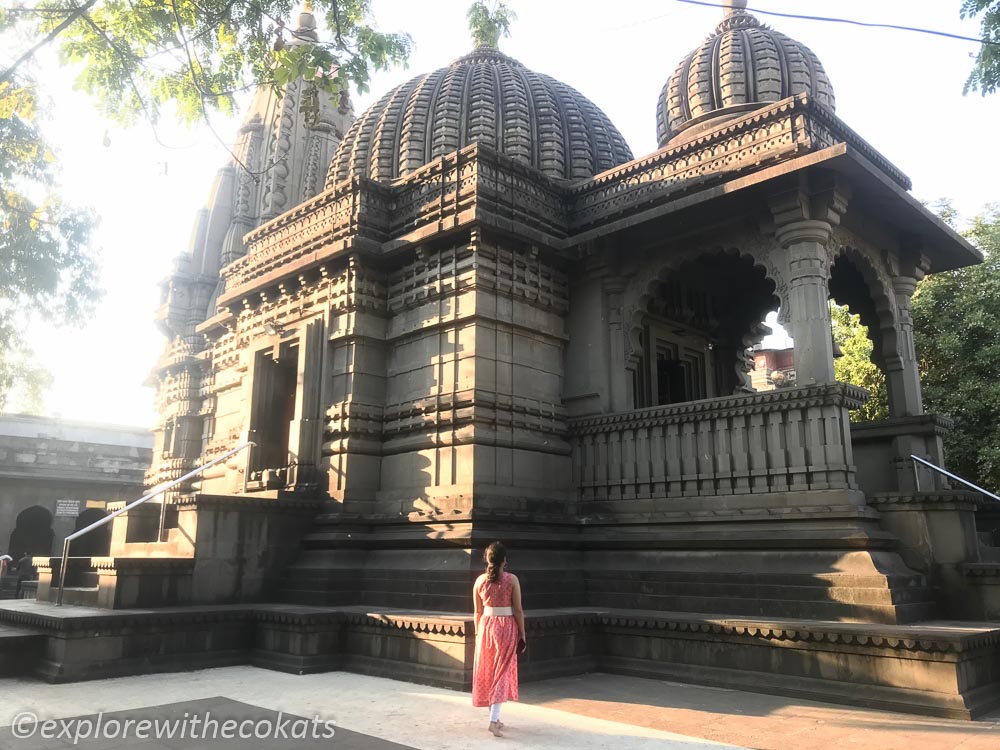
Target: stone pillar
{"type": "Point", "coordinates": [614, 289]}
{"type": "Point", "coordinates": [804, 242]}
{"type": "Point", "coordinates": [901, 372]}
{"type": "Point", "coordinates": [804, 216]}
{"type": "Point", "coordinates": [304, 434]}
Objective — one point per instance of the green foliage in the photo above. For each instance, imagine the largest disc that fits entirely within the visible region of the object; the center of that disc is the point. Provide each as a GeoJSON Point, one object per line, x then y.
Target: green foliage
{"type": "Point", "coordinates": [985, 76]}
{"type": "Point", "coordinates": [137, 55]}
{"type": "Point", "coordinates": [46, 269]}
{"type": "Point", "coordinates": [488, 25]}
{"type": "Point", "coordinates": [133, 57]}
{"type": "Point", "coordinates": [957, 330]}
{"type": "Point", "coordinates": [855, 366]}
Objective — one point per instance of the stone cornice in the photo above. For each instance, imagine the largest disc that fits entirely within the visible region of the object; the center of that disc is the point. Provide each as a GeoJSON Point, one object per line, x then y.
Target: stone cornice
{"type": "Point", "coordinates": [925, 424]}
{"type": "Point", "coordinates": [910, 640]}
{"type": "Point", "coordinates": [865, 635]}
{"type": "Point", "coordinates": [252, 502]}
{"type": "Point", "coordinates": [782, 130]}
{"type": "Point", "coordinates": [932, 501]}
{"type": "Point", "coordinates": [834, 394]}
{"type": "Point", "coordinates": [988, 572]}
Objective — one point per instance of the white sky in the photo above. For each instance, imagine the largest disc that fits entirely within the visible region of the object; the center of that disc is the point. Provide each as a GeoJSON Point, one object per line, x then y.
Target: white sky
{"type": "Point", "coordinates": [900, 91]}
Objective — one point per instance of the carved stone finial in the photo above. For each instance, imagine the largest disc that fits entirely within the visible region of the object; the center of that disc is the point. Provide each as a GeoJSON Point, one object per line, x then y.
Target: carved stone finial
{"type": "Point", "coordinates": [307, 24]}
{"type": "Point", "coordinates": [736, 17]}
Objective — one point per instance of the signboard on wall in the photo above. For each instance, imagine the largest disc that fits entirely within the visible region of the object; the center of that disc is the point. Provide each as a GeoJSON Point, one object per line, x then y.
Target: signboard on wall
{"type": "Point", "coordinates": [67, 508]}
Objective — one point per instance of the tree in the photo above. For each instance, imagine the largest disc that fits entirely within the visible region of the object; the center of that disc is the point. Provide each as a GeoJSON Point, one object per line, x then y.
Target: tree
{"type": "Point", "coordinates": [136, 58]}
{"type": "Point", "coordinates": [985, 76]}
{"type": "Point", "coordinates": [855, 364]}
{"type": "Point", "coordinates": [46, 268]}
{"type": "Point", "coordinates": [489, 25]}
{"type": "Point", "coordinates": [957, 330]}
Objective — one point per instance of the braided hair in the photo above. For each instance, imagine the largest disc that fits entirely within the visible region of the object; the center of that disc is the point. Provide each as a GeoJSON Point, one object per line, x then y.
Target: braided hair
{"type": "Point", "coordinates": [494, 557]}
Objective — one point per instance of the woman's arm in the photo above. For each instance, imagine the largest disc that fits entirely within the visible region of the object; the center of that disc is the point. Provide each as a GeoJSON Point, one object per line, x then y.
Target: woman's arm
{"type": "Point", "coordinates": [515, 604]}
{"type": "Point", "coordinates": [478, 601]}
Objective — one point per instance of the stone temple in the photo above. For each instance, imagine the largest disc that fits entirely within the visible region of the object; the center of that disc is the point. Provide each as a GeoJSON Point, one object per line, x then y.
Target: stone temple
{"type": "Point", "coordinates": [471, 314]}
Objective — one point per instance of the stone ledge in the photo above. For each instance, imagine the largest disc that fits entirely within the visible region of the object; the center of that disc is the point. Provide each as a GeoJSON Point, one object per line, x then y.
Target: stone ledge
{"type": "Point", "coordinates": [986, 572]}
{"type": "Point", "coordinates": [890, 502]}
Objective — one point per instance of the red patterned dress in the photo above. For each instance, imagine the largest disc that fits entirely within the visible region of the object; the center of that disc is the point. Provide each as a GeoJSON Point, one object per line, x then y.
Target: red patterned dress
{"type": "Point", "coordinates": [494, 674]}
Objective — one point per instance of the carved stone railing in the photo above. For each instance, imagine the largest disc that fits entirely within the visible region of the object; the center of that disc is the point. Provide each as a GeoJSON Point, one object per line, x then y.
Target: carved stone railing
{"type": "Point", "coordinates": [786, 440]}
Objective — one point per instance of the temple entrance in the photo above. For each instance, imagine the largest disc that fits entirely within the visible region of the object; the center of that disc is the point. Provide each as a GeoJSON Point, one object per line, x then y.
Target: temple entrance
{"type": "Point", "coordinates": [697, 329]}
{"type": "Point", "coordinates": [95, 544]}
{"type": "Point", "coordinates": [32, 533]}
{"type": "Point", "coordinates": [275, 388]}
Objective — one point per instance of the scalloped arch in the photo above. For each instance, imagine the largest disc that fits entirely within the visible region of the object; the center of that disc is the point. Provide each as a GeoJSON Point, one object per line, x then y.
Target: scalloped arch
{"type": "Point", "coordinates": [642, 290]}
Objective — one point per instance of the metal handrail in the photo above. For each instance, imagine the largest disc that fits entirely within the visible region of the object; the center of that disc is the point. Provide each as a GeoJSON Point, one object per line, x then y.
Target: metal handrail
{"type": "Point", "coordinates": [939, 470]}
{"type": "Point", "coordinates": [109, 518]}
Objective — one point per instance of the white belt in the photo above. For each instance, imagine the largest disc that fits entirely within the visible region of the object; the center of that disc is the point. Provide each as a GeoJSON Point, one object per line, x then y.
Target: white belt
{"type": "Point", "coordinates": [498, 611]}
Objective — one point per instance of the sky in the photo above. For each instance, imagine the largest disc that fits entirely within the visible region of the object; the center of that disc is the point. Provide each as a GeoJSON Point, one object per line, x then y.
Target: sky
{"type": "Point", "coordinates": [900, 91]}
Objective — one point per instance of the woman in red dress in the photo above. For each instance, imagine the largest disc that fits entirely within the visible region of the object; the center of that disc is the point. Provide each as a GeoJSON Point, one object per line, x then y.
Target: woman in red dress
{"type": "Point", "coordinates": [499, 636]}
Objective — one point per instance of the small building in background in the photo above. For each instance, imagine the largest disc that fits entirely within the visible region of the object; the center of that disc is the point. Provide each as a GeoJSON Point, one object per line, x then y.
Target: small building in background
{"type": "Point", "coordinates": [57, 476]}
{"type": "Point", "coordinates": [772, 369]}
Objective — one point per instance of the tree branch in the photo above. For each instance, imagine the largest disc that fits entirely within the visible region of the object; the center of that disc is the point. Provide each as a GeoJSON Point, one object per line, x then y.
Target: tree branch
{"type": "Point", "coordinates": [66, 22]}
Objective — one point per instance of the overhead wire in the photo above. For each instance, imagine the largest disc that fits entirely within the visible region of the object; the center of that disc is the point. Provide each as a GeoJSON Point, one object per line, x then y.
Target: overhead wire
{"type": "Point", "coordinates": [850, 21]}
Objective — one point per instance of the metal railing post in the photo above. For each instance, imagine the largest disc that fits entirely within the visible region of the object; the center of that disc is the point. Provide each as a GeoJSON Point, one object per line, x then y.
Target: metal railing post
{"type": "Point", "coordinates": [62, 571]}
{"type": "Point", "coordinates": [108, 518]}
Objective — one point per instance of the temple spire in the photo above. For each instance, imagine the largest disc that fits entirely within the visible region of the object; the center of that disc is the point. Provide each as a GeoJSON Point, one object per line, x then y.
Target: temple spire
{"type": "Point", "coordinates": [734, 6]}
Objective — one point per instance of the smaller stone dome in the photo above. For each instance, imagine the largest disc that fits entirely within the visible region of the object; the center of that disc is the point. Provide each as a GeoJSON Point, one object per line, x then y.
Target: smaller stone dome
{"type": "Point", "coordinates": [743, 66]}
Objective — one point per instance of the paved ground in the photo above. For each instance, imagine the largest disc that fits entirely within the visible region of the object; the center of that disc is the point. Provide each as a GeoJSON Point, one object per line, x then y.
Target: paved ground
{"type": "Point", "coordinates": [367, 713]}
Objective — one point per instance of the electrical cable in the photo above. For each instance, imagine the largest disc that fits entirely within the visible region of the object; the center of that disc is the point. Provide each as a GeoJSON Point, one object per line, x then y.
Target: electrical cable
{"type": "Point", "coordinates": [852, 22]}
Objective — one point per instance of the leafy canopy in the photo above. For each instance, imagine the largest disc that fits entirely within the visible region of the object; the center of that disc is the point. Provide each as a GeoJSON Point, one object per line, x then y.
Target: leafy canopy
{"type": "Point", "coordinates": [488, 25]}
{"type": "Point", "coordinates": [957, 330]}
{"type": "Point", "coordinates": [46, 268]}
{"type": "Point", "coordinates": [985, 76]}
{"type": "Point", "coordinates": [855, 365]}
{"type": "Point", "coordinates": [135, 58]}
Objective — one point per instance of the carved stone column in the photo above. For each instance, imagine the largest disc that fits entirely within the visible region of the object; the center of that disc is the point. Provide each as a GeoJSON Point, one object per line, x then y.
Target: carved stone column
{"type": "Point", "coordinates": [902, 375]}
{"type": "Point", "coordinates": [614, 289]}
{"type": "Point", "coordinates": [804, 216]}
{"type": "Point", "coordinates": [808, 294]}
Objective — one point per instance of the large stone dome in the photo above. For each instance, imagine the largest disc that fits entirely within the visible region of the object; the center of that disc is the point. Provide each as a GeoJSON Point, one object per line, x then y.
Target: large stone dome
{"type": "Point", "coordinates": [744, 65]}
{"type": "Point", "coordinates": [485, 97]}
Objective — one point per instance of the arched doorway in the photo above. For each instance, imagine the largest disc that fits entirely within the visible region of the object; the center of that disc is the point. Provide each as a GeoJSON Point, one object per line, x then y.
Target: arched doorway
{"type": "Point", "coordinates": [95, 544]}
{"type": "Point", "coordinates": [32, 533]}
{"type": "Point", "coordinates": [696, 328]}
{"type": "Point", "coordinates": [863, 325]}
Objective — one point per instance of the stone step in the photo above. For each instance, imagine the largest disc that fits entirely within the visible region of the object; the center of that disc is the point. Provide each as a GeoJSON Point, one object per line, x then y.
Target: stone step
{"type": "Point", "coordinates": [79, 596]}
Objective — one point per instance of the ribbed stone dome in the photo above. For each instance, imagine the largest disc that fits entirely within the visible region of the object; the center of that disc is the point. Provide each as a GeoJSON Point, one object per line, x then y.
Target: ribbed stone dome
{"type": "Point", "coordinates": [485, 97]}
{"type": "Point", "coordinates": [744, 65]}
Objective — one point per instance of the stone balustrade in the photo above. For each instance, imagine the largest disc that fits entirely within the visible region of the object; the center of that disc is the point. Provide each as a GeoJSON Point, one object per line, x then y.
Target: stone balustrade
{"type": "Point", "coordinates": [785, 440]}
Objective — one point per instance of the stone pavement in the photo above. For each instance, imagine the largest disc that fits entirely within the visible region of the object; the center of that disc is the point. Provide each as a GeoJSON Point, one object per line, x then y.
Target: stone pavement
{"type": "Point", "coordinates": [592, 711]}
